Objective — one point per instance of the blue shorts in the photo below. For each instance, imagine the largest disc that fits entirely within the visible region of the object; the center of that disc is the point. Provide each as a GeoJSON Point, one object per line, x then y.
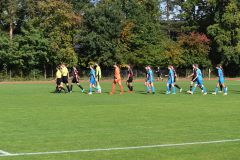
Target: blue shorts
{"type": "Point", "coordinates": [92, 81]}
{"type": "Point", "coordinates": [170, 81]}
{"type": "Point", "coordinates": [150, 81]}
{"type": "Point", "coordinates": [199, 82]}
{"type": "Point", "coordinates": [221, 81]}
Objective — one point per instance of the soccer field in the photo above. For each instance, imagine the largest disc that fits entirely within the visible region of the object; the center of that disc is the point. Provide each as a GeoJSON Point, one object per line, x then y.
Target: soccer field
{"type": "Point", "coordinates": [135, 126]}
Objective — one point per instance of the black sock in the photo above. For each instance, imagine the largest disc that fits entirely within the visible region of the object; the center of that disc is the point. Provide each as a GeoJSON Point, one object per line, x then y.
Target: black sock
{"type": "Point", "coordinates": [221, 87]}
{"type": "Point", "coordinates": [61, 88]}
{"type": "Point", "coordinates": [131, 88]}
{"type": "Point", "coordinates": [80, 86]}
{"type": "Point", "coordinates": [191, 88]}
{"type": "Point", "coordinates": [177, 86]}
{"type": "Point", "coordinates": [68, 88]}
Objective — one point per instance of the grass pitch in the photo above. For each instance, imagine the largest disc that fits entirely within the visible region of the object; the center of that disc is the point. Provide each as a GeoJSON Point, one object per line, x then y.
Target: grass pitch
{"type": "Point", "coordinates": [32, 119]}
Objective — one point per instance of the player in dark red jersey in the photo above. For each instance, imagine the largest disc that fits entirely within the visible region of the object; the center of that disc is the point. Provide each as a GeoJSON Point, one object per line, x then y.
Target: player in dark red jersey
{"type": "Point", "coordinates": [130, 79]}
{"type": "Point", "coordinates": [75, 78]}
{"type": "Point", "coordinates": [193, 75]}
{"type": "Point", "coordinates": [175, 79]}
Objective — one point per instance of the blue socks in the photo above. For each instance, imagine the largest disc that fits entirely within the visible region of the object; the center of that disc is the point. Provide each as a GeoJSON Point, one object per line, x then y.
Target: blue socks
{"type": "Point", "coordinates": [153, 89]}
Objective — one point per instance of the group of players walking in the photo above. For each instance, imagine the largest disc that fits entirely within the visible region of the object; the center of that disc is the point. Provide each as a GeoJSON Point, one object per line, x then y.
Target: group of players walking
{"type": "Point", "coordinates": [62, 77]}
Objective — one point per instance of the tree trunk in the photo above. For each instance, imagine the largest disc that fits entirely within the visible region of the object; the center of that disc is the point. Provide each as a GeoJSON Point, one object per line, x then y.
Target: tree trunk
{"type": "Point", "coordinates": [45, 72]}
{"type": "Point", "coordinates": [11, 31]}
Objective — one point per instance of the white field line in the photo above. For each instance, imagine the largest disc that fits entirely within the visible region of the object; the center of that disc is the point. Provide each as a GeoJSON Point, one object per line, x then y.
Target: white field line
{"type": "Point", "coordinates": [120, 148]}
{"type": "Point", "coordinates": [4, 153]}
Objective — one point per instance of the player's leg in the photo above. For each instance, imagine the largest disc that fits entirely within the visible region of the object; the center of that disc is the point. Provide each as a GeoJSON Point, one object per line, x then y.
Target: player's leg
{"type": "Point", "coordinates": [224, 89]}
{"type": "Point", "coordinates": [153, 88]}
{"type": "Point", "coordinates": [216, 89]}
{"type": "Point", "coordinates": [121, 87]}
{"type": "Point", "coordinates": [168, 88]}
{"type": "Point", "coordinates": [113, 86]}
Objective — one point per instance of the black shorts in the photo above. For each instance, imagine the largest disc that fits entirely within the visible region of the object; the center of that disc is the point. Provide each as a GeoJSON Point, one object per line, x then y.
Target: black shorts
{"type": "Point", "coordinates": [193, 79]}
{"type": "Point", "coordinates": [175, 79]}
{"type": "Point", "coordinates": [65, 79]}
{"type": "Point", "coordinates": [75, 80]}
{"type": "Point", "coordinates": [59, 81]}
{"type": "Point", "coordinates": [130, 80]}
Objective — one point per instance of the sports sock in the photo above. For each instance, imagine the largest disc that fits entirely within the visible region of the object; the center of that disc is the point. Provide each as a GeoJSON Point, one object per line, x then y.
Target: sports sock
{"type": "Point", "coordinates": [113, 87]}
{"type": "Point", "coordinates": [177, 86]}
{"type": "Point", "coordinates": [221, 87]}
{"type": "Point", "coordinates": [129, 87]}
{"type": "Point", "coordinates": [173, 90]}
{"type": "Point", "coordinates": [193, 89]}
{"type": "Point", "coordinates": [153, 89]}
{"type": "Point", "coordinates": [68, 88]}
{"type": "Point", "coordinates": [71, 87]}
{"type": "Point", "coordinates": [225, 89]}
{"type": "Point", "coordinates": [216, 89]}
{"type": "Point", "coordinates": [80, 86]}
{"type": "Point", "coordinates": [168, 88]}
{"type": "Point", "coordinates": [90, 89]}
{"type": "Point", "coordinates": [121, 88]}
{"type": "Point", "coordinates": [148, 89]}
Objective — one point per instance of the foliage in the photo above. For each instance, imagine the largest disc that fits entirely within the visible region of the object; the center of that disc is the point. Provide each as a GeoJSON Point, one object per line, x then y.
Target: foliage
{"type": "Point", "coordinates": [195, 49]}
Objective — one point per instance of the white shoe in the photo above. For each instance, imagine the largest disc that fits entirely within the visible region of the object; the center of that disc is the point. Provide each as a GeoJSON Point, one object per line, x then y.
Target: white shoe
{"type": "Point", "coordinates": [214, 93]}
{"type": "Point", "coordinates": [205, 93]}
{"type": "Point", "coordinates": [225, 94]}
{"type": "Point", "coordinates": [90, 93]}
{"type": "Point", "coordinates": [190, 92]}
{"type": "Point", "coordinates": [180, 90]}
{"type": "Point", "coordinates": [202, 91]}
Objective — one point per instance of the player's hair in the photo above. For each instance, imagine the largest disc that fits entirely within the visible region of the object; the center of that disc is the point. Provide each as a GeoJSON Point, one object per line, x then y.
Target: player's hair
{"type": "Point", "coordinates": [196, 65]}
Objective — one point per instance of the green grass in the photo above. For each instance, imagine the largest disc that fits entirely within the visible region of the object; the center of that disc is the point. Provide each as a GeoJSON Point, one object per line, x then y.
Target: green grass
{"type": "Point", "coordinates": [32, 119]}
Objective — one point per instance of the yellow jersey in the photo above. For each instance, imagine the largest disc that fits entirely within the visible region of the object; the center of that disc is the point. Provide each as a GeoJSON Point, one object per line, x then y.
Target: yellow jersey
{"type": "Point", "coordinates": [58, 74]}
{"type": "Point", "coordinates": [98, 72]}
{"type": "Point", "coordinates": [64, 71]}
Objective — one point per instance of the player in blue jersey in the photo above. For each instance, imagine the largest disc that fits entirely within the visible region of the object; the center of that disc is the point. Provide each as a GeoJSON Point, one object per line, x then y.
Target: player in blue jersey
{"type": "Point", "coordinates": [92, 79]}
{"type": "Point", "coordinates": [170, 82]}
{"type": "Point", "coordinates": [199, 80]}
{"type": "Point", "coordinates": [220, 81]}
{"type": "Point", "coordinates": [150, 80]}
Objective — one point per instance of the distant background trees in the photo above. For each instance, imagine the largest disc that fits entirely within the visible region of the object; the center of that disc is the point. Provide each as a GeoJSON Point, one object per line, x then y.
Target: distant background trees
{"type": "Point", "coordinates": [38, 35]}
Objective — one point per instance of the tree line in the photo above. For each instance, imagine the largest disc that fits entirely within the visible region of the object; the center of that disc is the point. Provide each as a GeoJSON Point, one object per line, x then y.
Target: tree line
{"type": "Point", "coordinates": [41, 34]}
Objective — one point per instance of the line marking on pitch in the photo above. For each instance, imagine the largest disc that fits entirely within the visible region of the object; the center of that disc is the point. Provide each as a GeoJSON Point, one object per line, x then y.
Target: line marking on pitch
{"type": "Point", "coordinates": [6, 154]}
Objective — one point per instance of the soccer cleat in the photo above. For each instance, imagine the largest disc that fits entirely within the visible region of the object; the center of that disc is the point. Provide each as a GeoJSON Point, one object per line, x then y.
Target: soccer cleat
{"type": "Point", "coordinates": [167, 92]}
{"type": "Point", "coordinates": [83, 90]}
{"type": "Point", "coordinates": [225, 94]}
{"type": "Point", "coordinates": [205, 93]}
{"type": "Point", "coordinates": [90, 93]}
{"type": "Point", "coordinates": [174, 93]}
{"type": "Point", "coordinates": [214, 93]}
{"type": "Point", "coordinates": [180, 90]}
{"type": "Point", "coordinates": [190, 92]}
{"type": "Point", "coordinates": [202, 91]}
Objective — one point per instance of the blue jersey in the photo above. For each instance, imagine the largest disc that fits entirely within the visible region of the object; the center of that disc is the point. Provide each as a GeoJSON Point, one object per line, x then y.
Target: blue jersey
{"type": "Point", "coordinates": [92, 74]}
{"type": "Point", "coordinates": [199, 74]}
{"type": "Point", "coordinates": [220, 74]}
{"type": "Point", "coordinates": [150, 75]}
{"type": "Point", "coordinates": [171, 75]}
